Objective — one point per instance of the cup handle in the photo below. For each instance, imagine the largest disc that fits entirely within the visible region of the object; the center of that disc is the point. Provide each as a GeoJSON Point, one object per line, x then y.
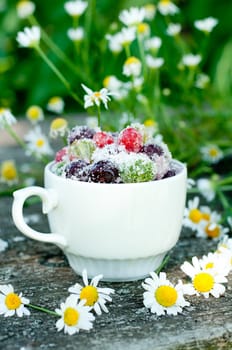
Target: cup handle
{"type": "Point", "coordinates": [49, 202]}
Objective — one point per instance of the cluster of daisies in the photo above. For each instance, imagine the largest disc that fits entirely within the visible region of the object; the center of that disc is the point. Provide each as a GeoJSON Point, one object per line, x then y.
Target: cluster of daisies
{"type": "Point", "coordinates": [135, 26]}
{"type": "Point", "coordinates": [206, 277]}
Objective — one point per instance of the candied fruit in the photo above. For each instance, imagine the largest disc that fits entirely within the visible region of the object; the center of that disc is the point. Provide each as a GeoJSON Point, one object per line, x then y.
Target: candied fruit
{"type": "Point", "coordinates": [102, 138]}
{"type": "Point", "coordinates": [131, 139]}
{"type": "Point", "coordinates": [103, 171]}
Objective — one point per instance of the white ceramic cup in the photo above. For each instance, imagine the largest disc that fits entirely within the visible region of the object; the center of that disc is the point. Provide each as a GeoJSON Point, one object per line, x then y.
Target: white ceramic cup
{"type": "Point", "coordinates": [122, 231]}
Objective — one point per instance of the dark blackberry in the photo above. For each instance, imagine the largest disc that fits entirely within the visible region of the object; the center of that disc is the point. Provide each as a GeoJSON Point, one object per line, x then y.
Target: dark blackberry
{"type": "Point", "coordinates": [151, 149]}
{"type": "Point", "coordinates": [80, 132]}
{"type": "Point", "coordinates": [103, 171]}
{"type": "Point", "coordinates": [169, 173]}
{"type": "Point", "coordinates": [77, 169]}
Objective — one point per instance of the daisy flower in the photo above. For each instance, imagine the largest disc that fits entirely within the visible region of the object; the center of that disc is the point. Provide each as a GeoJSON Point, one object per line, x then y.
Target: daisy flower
{"type": "Point", "coordinates": [37, 143]}
{"type": "Point", "coordinates": [8, 172]}
{"type": "Point", "coordinates": [211, 154]}
{"type": "Point", "coordinates": [225, 242]}
{"type": "Point", "coordinates": [96, 97]}
{"type": "Point", "coordinates": [190, 60]}
{"type": "Point", "coordinates": [166, 7]}
{"type": "Point", "coordinates": [75, 8]}
{"type": "Point", "coordinates": [153, 44]}
{"type": "Point", "coordinates": [173, 29]}
{"type": "Point", "coordinates": [192, 214]}
{"type": "Point", "coordinates": [58, 127]}
{"type": "Point", "coordinates": [162, 296]}
{"type": "Point", "coordinates": [34, 114]}
{"type": "Point", "coordinates": [154, 62]}
{"type": "Point", "coordinates": [6, 118]}
{"type": "Point", "coordinates": [132, 67]}
{"type": "Point", "coordinates": [76, 34]}
{"type": "Point", "coordinates": [25, 8]}
{"type": "Point", "coordinates": [115, 42]}
{"type": "Point", "coordinates": [150, 11]}
{"type": "Point", "coordinates": [74, 316]}
{"type": "Point", "coordinates": [206, 25]}
{"type": "Point", "coordinates": [190, 183]}
{"type": "Point", "coordinates": [30, 37]}
{"type": "Point", "coordinates": [126, 36]}
{"type": "Point", "coordinates": [204, 281]}
{"type": "Point", "coordinates": [143, 30]}
{"type": "Point", "coordinates": [3, 245]}
{"type": "Point", "coordinates": [55, 104]}
{"type": "Point", "coordinates": [211, 230]}
{"type": "Point", "coordinates": [215, 261]}
{"type": "Point", "coordinates": [206, 189]}
{"type": "Point", "coordinates": [132, 17]}
{"type": "Point", "coordinates": [202, 81]}
{"type": "Point", "coordinates": [112, 83]}
{"type": "Point", "coordinates": [12, 303]}
{"type": "Point", "coordinates": [92, 295]}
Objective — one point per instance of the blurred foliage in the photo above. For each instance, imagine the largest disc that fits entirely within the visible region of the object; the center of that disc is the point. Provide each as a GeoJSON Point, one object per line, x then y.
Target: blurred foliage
{"type": "Point", "coordinates": [26, 80]}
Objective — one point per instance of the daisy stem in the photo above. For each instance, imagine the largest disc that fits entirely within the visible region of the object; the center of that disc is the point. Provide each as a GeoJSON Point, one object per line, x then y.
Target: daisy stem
{"type": "Point", "coordinates": [58, 74]}
{"type": "Point", "coordinates": [225, 181]}
{"type": "Point", "coordinates": [13, 134]}
{"type": "Point", "coordinates": [142, 55]}
{"type": "Point", "coordinates": [164, 262]}
{"type": "Point", "coordinates": [58, 52]}
{"type": "Point", "coordinates": [39, 308]}
{"type": "Point", "coordinates": [127, 50]}
{"type": "Point", "coordinates": [223, 199]}
{"type": "Point", "coordinates": [99, 116]}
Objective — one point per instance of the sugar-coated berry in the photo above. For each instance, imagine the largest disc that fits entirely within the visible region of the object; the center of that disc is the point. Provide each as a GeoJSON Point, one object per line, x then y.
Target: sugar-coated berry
{"type": "Point", "coordinates": [131, 139]}
{"type": "Point", "coordinates": [151, 149]}
{"type": "Point", "coordinates": [139, 169]}
{"type": "Point", "coordinates": [83, 149]}
{"type": "Point", "coordinates": [169, 173]}
{"type": "Point", "coordinates": [61, 154]}
{"type": "Point", "coordinates": [77, 169]}
{"type": "Point", "coordinates": [80, 132]}
{"type": "Point", "coordinates": [102, 138]}
{"type": "Point", "coordinates": [103, 171]}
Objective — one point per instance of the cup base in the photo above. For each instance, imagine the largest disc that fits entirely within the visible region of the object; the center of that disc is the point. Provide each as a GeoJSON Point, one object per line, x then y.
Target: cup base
{"type": "Point", "coordinates": [115, 270]}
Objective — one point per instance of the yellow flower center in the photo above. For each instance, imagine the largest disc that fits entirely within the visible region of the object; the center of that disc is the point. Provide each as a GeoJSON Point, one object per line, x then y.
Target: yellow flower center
{"type": "Point", "coordinates": [149, 122]}
{"type": "Point", "coordinates": [212, 231]}
{"type": "Point", "coordinates": [71, 316]}
{"type": "Point", "coordinates": [106, 81]}
{"type": "Point", "coordinates": [90, 294]}
{"type": "Point", "coordinates": [166, 296]}
{"type": "Point", "coordinates": [58, 123]}
{"type": "Point", "coordinates": [213, 152]}
{"type": "Point", "coordinates": [195, 215]}
{"type": "Point", "coordinates": [2, 110]}
{"type": "Point", "coordinates": [40, 143]}
{"type": "Point", "coordinates": [33, 113]}
{"type": "Point", "coordinates": [97, 94]}
{"type": "Point", "coordinates": [149, 7]}
{"type": "Point", "coordinates": [8, 171]}
{"type": "Point", "coordinates": [209, 265]}
{"type": "Point", "coordinates": [143, 28]}
{"type": "Point", "coordinates": [54, 100]}
{"type": "Point", "coordinates": [165, 2]}
{"type": "Point", "coordinates": [203, 282]}
{"type": "Point", "coordinates": [12, 301]}
{"type": "Point", "coordinates": [206, 216]}
{"type": "Point", "coordinates": [132, 60]}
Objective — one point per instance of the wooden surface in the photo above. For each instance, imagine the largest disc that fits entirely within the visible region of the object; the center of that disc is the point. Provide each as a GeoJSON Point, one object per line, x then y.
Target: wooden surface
{"type": "Point", "coordinates": [42, 273]}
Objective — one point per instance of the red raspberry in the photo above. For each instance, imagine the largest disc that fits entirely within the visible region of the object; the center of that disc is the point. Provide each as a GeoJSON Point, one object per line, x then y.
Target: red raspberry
{"type": "Point", "coordinates": [102, 139]}
{"type": "Point", "coordinates": [131, 139]}
{"type": "Point", "coordinates": [61, 154]}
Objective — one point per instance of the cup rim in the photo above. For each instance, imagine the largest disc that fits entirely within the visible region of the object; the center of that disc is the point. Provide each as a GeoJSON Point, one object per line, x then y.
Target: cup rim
{"type": "Point", "coordinates": [181, 167]}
